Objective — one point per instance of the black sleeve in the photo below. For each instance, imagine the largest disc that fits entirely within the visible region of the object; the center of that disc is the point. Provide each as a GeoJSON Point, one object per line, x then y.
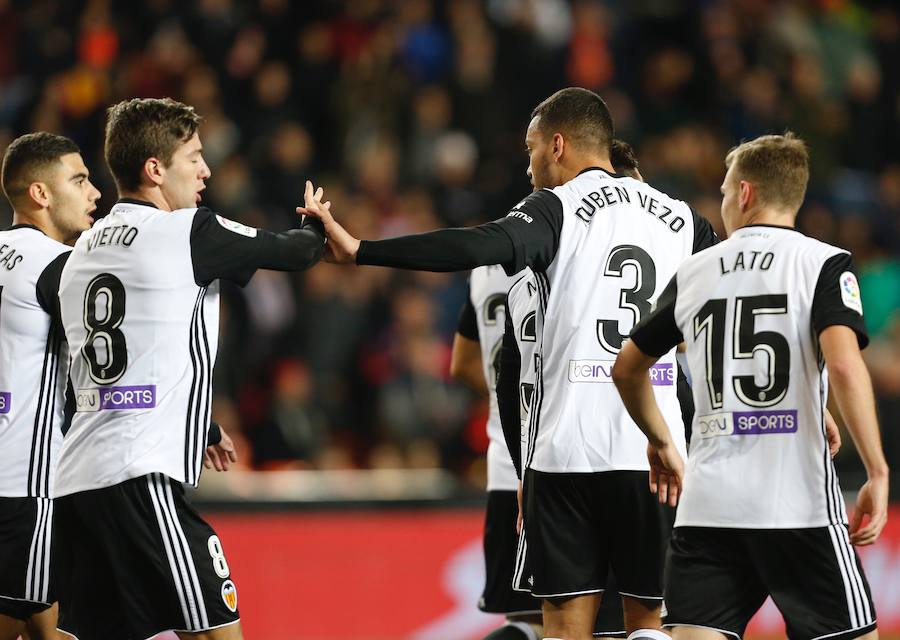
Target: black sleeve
{"type": "Point", "coordinates": [704, 235]}
{"type": "Point", "coordinates": [214, 434]}
{"type": "Point", "coordinates": [441, 250]}
{"type": "Point", "coordinates": [527, 236]}
{"type": "Point", "coordinates": [508, 394]}
{"type": "Point", "coordinates": [534, 226]}
{"type": "Point", "coordinates": [222, 248]}
{"type": "Point", "coordinates": [48, 288]}
{"type": "Point", "coordinates": [657, 332]}
{"type": "Point", "coordinates": [467, 326]}
{"type": "Point", "coordinates": [837, 300]}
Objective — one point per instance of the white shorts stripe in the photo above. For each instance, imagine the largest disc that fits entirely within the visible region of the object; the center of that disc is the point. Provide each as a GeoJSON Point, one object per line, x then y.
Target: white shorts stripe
{"type": "Point", "coordinates": [170, 554]}
{"type": "Point", "coordinates": [37, 576]}
{"type": "Point", "coordinates": [837, 543]}
{"type": "Point", "coordinates": [189, 561]}
{"type": "Point", "coordinates": [856, 578]}
{"type": "Point", "coordinates": [48, 538]}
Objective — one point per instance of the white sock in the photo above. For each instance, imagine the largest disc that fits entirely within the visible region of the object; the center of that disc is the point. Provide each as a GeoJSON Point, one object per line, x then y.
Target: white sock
{"type": "Point", "coordinates": [648, 634]}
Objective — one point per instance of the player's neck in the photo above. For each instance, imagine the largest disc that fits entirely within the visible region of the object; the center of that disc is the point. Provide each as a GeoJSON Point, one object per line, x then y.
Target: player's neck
{"type": "Point", "coordinates": [772, 217]}
{"type": "Point", "coordinates": [150, 195]}
{"type": "Point", "coordinates": [572, 168]}
{"type": "Point", "coordinates": [39, 220]}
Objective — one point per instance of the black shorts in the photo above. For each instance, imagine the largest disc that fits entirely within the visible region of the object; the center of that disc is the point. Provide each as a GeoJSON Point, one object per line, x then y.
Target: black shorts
{"type": "Point", "coordinates": [26, 525]}
{"type": "Point", "coordinates": [135, 559]}
{"type": "Point", "coordinates": [718, 578]}
{"type": "Point", "coordinates": [500, 540]}
{"type": "Point", "coordinates": [581, 526]}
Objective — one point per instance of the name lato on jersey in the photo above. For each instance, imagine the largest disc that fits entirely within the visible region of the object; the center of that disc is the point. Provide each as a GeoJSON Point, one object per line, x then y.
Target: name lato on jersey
{"type": "Point", "coordinates": [9, 257]}
{"type": "Point", "coordinates": [119, 235]}
{"type": "Point", "coordinates": [746, 261]}
{"type": "Point", "coordinates": [610, 195]}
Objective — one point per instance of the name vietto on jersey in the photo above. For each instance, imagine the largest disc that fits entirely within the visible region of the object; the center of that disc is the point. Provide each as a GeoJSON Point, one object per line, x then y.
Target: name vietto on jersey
{"type": "Point", "coordinates": [32, 364]}
{"type": "Point", "coordinates": [751, 310]}
{"type": "Point", "coordinates": [140, 307]}
{"type": "Point", "coordinates": [617, 242]}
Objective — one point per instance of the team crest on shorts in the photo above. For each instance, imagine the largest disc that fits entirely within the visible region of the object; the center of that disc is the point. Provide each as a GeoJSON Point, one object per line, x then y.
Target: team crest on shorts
{"type": "Point", "coordinates": [229, 595]}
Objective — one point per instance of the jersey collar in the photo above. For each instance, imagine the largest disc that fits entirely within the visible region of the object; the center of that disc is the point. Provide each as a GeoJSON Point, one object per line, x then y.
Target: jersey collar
{"type": "Point", "coordinates": [142, 203]}
{"type": "Point", "coordinates": [609, 173]}
{"type": "Point", "coordinates": [24, 226]}
{"type": "Point", "coordinates": [772, 226]}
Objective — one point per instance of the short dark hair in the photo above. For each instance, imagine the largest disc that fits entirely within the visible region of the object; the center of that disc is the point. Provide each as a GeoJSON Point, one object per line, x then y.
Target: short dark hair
{"type": "Point", "coordinates": [778, 166]}
{"type": "Point", "coordinates": [143, 128]}
{"type": "Point", "coordinates": [622, 157]}
{"type": "Point", "coordinates": [27, 156]}
{"type": "Point", "coordinates": [578, 114]}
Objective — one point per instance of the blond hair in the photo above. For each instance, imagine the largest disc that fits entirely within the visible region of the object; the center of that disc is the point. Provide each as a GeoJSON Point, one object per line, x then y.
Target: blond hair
{"type": "Point", "coordinates": [776, 166]}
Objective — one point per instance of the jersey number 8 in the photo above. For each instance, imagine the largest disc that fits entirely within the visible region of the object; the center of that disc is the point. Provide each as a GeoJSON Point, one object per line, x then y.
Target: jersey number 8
{"type": "Point", "coordinates": [104, 311]}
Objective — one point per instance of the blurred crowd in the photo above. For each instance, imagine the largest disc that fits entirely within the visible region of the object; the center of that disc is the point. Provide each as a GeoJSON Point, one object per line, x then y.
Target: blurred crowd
{"type": "Point", "coordinates": [412, 114]}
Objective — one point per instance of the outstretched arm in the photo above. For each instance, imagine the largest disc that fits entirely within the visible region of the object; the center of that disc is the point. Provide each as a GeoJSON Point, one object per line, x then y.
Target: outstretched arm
{"type": "Point", "coordinates": [527, 236]}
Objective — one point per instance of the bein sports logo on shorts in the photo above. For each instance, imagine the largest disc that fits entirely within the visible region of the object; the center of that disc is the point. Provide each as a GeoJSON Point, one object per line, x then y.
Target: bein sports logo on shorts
{"type": "Point", "coordinates": [746, 423]}
{"type": "Point", "coordinates": [141, 396]}
{"type": "Point", "coordinates": [662, 374]}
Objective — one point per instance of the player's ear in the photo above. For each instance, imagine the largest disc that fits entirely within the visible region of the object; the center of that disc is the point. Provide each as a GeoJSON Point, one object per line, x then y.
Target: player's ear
{"type": "Point", "coordinates": [39, 193]}
{"type": "Point", "coordinates": [746, 196]}
{"type": "Point", "coordinates": [558, 145]}
{"type": "Point", "coordinates": [154, 170]}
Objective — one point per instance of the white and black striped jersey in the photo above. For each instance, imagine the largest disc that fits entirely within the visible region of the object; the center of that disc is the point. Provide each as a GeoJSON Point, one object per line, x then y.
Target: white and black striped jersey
{"type": "Point", "coordinates": [139, 299]}
{"type": "Point", "coordinates": [483, 319]}
{"type": "Point", "coordinates": [602, 247]}
{"type": "Point", "coordinates": [32, 364]}
{"type": "Point", "coordinates": [524, 325]}
{"type": "Point", "coordinates": [751, 310]}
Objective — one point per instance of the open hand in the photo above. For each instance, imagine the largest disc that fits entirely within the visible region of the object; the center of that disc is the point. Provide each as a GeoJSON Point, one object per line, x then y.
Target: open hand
{"type": "Point", "coordinates": [666, 473]}
{"type": "Point", "coordinates": [832, 433]}
{"type": "Point", "coordinates": [871, 505]}
{"type": "Point", "coordinates": [220, 456]}
{"type": "Point", "coordinates": [341, 246]}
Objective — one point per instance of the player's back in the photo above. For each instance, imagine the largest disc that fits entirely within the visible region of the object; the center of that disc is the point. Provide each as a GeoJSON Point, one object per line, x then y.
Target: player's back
{"type": "Point", "coordinates": [621, 241]}
{"type": "Point", "coordinates": [143, 338]}
{"type": "Point", "coordinates": [488, 286]}
{"type": "Point", "coordinates": [32, 366]}
{"type": "Point", "coordinates": [749, 310]}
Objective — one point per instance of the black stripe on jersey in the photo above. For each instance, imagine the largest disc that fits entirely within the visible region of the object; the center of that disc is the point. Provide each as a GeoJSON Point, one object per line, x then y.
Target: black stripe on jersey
{"type": "Point", "coordinates": [205, 404]}
{"type": "Point", "coordinates": [39, 466]}
{"type": "Point", "coordinates": [537, 397]}
{"type": "Point", "coordinates": [44, 470]}
{"type": "Point", "coordinates": [832, 488]}
{"type": "Point", "coordinates": [193, 399]}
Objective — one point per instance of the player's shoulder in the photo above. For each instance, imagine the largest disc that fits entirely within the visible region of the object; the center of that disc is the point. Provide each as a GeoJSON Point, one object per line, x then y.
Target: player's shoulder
{"type": "Point", "coordinates": [20, 239]}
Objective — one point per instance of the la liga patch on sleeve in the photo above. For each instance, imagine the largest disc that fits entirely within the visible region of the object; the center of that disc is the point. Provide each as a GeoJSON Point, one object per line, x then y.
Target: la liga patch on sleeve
{"type": "Point", "coordinates": [850, 295]}
{"type": "Point", "coordinates": [236, 227]}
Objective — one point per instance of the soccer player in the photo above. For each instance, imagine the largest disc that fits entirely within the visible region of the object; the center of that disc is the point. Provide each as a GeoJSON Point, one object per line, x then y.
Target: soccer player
{"type": "Point", "coordinates": [476, 350]}
{"type": "Point", "coordinates": [47, 184]}
{"type": "Point", "coordinates": [600, 245]}
{"type": "Point", "coordinates": [139, 299]}
{"type": "Point", "coordinates": [770, 317]}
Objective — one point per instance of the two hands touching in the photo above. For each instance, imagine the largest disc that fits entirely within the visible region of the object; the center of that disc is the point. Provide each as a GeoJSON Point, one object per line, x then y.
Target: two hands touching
{"type": "Point", "coordinates": [341, 247]}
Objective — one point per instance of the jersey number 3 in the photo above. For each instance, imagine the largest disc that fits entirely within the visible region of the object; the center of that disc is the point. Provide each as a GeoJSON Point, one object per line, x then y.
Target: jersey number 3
{"type": "Point", "coordinates": [104, 347]}
{"type": "Point", "coordinates": [636, 299]}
